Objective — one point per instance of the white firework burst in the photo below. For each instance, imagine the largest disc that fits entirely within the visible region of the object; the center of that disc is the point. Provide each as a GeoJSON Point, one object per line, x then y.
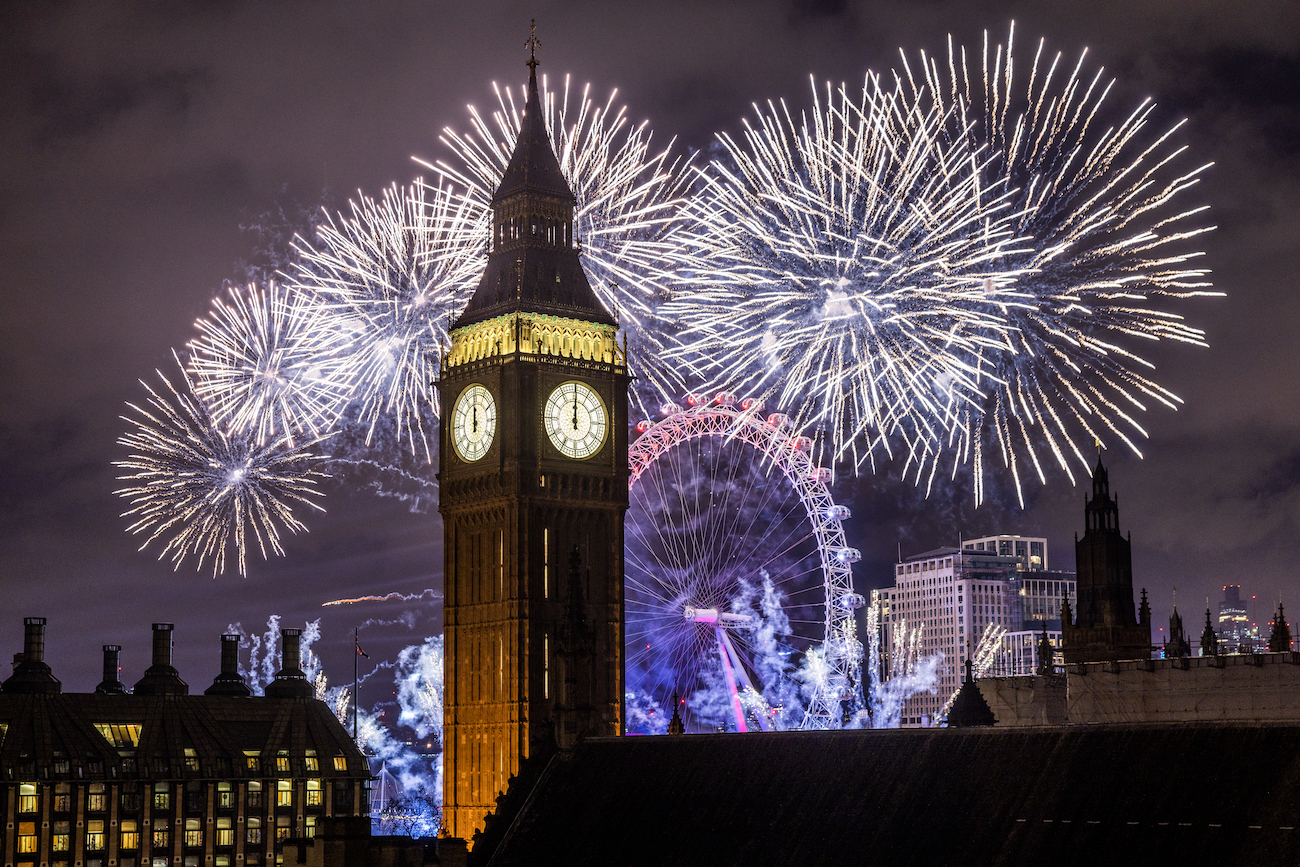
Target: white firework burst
{"type": "Point", "coordinates": [391, 276]}
{"type": "Point", "coordinates": [268, 364]}
{"type": "Point", "coordinates": [1097, 198]}
{"type": "Point", "coordinates": [629, 195]}
{"type": "Point", "coordinates": [204, 490]}
{"type": "Point", "coordinates": [839, 260]}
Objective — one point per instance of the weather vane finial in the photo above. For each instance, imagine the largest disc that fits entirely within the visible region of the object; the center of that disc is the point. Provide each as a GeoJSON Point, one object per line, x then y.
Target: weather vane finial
{"type": "Point", "coordinates": [532, 45]}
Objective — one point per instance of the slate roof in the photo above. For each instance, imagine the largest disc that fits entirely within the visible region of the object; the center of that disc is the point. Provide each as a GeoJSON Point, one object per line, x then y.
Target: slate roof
{"type": "Point", "coordinates": [43, 729]}
{"type": "Point", "coordinates": [533, 165]}
{"type": "Point", "coordinates": [1191, 794]}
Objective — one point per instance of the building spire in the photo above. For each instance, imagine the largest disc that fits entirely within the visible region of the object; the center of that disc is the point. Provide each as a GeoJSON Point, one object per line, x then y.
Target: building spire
{"type": "Point", "coordinates": [532, 44]}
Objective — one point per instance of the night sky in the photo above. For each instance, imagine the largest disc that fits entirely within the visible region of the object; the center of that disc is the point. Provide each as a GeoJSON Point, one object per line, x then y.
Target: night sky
{"type": "Point", "coordinates": [141, 143]}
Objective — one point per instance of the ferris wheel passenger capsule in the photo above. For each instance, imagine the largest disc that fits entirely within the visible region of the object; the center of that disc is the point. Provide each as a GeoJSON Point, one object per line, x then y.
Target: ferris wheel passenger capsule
{"type": "Point", "coordinates": [838, 513]}
{"type": "Point", "coordinates": [802, 444]}
{"type": "Point", "coordinates": [819, 474]}
{"type": "Point", "coordinates": [725, 398]}
{"type": "Point", "coordinates": [751, 404]}
{"type": "Point", "coordinates": [694, 400]}
{"type": "Point", "coordinates": [644, 425]}
{"type": "Point", "coordinates": [846, 555]}
{"type": "Point", "coordinates": [852, 601]}
{"type": "Point", "coordinates": [670, 409]}
{"type": "Point", "coordinates": [779, 420]}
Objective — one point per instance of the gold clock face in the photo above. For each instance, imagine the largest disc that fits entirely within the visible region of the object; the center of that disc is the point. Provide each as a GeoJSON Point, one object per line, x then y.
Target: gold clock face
{"type": "Point", "coordinates": [575, 420]}
{"type": "Point", "coordinates": [473, 423]}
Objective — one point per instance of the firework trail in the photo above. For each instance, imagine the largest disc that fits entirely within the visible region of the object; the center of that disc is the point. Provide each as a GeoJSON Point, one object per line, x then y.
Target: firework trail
{"type": "Point", "coordinates": [839, 259]}
{"type": "Point", "coordinates": [268, 363]}
{"type": "Point", "coordinates": [389, 597]}
{"type": "Point", "coordinates": [1097, 196]}
{"type": "Point", "coordinates": [628, 195]}
{"type": "Point", "coordinates": [206, 490]}
{"type": "Point", "coordinates": [390, 277]}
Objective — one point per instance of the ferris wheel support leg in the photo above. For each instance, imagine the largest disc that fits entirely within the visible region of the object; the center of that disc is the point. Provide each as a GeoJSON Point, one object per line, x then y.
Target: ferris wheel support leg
{"type": "Point", "coordinates": [737, 709]}
{"type": "Point", "coordinates": [743, 675]}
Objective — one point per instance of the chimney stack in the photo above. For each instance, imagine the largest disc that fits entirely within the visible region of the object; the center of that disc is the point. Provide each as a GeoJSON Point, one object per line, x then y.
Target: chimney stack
{"type": "Point", "coordinates": [161, 678]}
{"type": "Point", "coordinates": [290, 681]}
{"type": "Point", "coordinates": [112, 662]}
{"type": "Point", "coordinates": [32, 675]}
{"type": "Point", "coordinates": [229, 682]}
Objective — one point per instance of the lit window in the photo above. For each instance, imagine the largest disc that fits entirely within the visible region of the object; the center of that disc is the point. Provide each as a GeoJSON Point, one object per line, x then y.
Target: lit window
{"type": "Point", "coordinates": [27, 798]}
{"type": "Point", "coordinates": [282, 762]}
{"type": "Point", "coordinates": [130, 834]}
{"type": "Point", "coordinates": [95, 799]}
{"type": "Point", "coordinates": [161, 833]}
{"type": "Point", "coordinates": [191, 760]}
{"type": "Point", "coordinates": [61, 840]}
{"type": "Point", "coordinates": [26, 837]}
{"type": "Point", "coordinates": [340, 763]}
{"type": "Point", "coordinates": [254, 834]}
{"type": "Point", "coordinates": [313, 793]}
{"type": "Point", "coordinates": [283, 830]}
{"type": "Point", "coordinates": [284, 793]}
{"type": "Point", "coordinates": [225, 833]}
{"type": "Point", "coordinates": [95, 834]}
{"type": "Point", "coordinates": [121, 735]}
{"type": "Point", "coordinates": [193, 832]}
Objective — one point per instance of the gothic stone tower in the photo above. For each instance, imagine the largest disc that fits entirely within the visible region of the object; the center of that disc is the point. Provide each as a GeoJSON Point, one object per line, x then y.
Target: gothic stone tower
{"type": "Point", "coordinates": [533, 474]}
{"type": "Point", "coordinates": [1106, 628]}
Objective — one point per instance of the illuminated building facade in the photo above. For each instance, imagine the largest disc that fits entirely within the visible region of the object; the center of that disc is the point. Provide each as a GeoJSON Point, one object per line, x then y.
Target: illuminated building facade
{"type": "Point", "coordinates": [950, 595]}
{"type": "Point", "coordinates": [953, 594]}
{"type": "Point", "coordinates": [533, 481]}
{"type": "Point", "coordinates": [1031, 551]}
{"type": "Point", "coordinates": [161, 778]}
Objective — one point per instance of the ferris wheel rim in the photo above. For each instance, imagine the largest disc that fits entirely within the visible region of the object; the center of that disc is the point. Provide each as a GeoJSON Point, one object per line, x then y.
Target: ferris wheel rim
{"type": "Point", "coordinates": [774, 437]}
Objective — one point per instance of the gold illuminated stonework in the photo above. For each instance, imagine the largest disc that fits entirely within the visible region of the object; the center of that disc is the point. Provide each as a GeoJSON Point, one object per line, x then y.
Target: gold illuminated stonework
{"type": "Point", "coordinates": [532, 334]}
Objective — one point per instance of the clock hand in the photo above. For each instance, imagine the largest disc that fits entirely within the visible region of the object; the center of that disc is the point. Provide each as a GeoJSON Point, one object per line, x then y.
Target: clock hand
{"type": "Point", "coordinates": [476, 418]}
{"type": "Point", "coordinates": [575, 407]}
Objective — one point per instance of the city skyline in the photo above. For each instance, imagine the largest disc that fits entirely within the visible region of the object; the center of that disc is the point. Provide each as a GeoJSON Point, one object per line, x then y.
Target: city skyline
{"type": "Point", "coordinates": [134, 169]}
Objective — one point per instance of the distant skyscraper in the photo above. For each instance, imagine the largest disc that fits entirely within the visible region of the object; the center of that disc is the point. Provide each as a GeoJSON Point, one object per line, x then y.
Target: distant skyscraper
{"type": "Point", "coordinates": [1236, 633]}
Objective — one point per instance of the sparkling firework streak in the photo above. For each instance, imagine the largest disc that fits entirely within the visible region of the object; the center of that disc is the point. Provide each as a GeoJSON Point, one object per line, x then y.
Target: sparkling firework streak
{"type": "Point", "coordinates": [268, 364]}
{"type": "Point", "coordinates": [1107, 245]}
{"type": "Point", "coordinates": [391, 276]}
{"type": "Point", "coordinates": [628, 204]}
{"type": "Point", "coordinates": [204, 489]}
{"type": "Point", "coordinates": [840, 260]}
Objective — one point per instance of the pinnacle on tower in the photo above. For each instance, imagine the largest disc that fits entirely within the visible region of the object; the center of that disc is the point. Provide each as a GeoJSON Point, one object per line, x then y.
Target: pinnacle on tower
{"type": "Point", "coordinates": [534, 265]}
{"type": "Point", "coordinates": [1279, 640]}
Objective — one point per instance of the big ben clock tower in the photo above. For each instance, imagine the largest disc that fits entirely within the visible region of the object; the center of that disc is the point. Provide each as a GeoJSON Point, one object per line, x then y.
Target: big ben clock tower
{"type": "Point", "coordinates": [533, 490]}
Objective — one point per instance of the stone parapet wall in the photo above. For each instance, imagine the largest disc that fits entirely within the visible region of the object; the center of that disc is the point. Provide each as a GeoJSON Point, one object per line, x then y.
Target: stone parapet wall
{"type": "Point", "coordinates": [1246, 688]}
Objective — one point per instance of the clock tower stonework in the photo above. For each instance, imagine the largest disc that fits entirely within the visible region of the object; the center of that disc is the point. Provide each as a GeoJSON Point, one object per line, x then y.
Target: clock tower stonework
{"type": "Point", "coordinates": [533, 481]}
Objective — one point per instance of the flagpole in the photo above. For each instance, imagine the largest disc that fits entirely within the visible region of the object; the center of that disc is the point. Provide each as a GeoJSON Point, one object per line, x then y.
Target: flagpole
{"type": "Point", "coordinates": [356, 652]}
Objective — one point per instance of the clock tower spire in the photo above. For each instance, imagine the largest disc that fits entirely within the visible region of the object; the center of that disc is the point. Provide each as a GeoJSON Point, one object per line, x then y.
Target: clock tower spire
{"type": "Point", "coordinates": [533, 482]}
